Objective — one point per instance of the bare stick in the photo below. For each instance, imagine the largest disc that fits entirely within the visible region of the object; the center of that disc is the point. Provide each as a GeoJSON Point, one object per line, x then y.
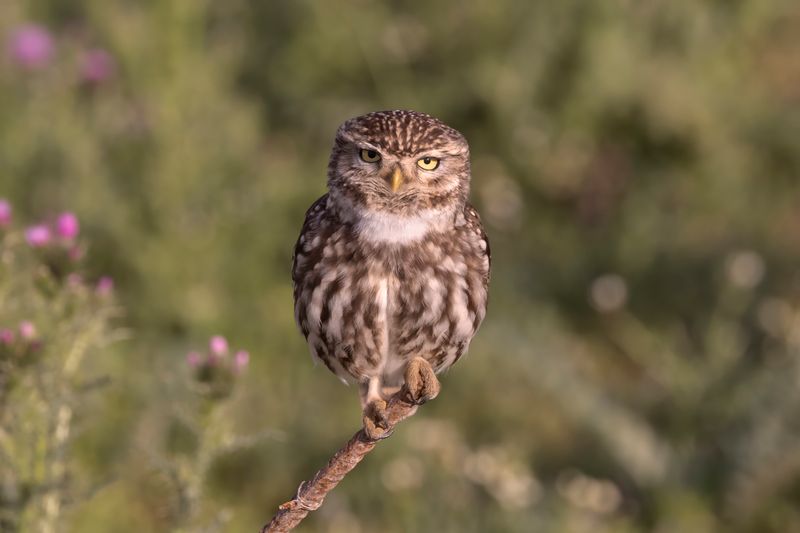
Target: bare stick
{"type": "Point", "coordinates": [310, 494]}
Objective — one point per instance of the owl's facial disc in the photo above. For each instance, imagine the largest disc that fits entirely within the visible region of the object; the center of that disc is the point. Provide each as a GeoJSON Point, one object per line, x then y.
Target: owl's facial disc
{"type": "Point", "coordinates": [399, 162]}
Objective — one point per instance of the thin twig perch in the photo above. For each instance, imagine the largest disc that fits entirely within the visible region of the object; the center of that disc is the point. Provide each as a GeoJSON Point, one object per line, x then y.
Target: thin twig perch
{"type": "Point", "coordinates": [310, 494]}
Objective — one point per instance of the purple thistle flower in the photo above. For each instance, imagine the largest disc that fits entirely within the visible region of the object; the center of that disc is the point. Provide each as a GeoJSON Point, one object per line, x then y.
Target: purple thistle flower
{"type": "Point", "coordinates": [98, 66]}
{"type": "Point", "coordinates": [67, 226]}
{"type": "Point", "coordinates": [31, 46]}
{"type": "Point", "coordinates": [105, 285]}
{"type": "Point", "coordinates": [38, 235]}
{"type": "Point", "coordinates": [5, 212]}
{"type": "Point", "coordinates": [6, 337]}
{"type": "Point", "coordinates": [241, 360]}
{"type": "Point", "coordinates": [27, 330]}
{"type": "Point", "coordinates": [193, 359]}
{"type": "Point", "coordinates": [218, 346]}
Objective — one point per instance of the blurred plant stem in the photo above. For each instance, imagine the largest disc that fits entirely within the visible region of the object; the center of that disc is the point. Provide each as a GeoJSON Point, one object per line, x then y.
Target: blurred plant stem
{"type": "Point", "coordinates": [56, 456]}
{"type": "Point", "coordinates": [206, 414]}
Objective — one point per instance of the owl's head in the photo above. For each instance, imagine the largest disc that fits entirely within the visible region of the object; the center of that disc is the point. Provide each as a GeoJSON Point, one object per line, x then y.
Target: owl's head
{"type": "Point", "coordinates": [399, 162]}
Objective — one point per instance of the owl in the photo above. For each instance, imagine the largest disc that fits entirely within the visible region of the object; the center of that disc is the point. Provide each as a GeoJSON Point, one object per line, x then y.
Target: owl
{"type": "Point", "coordinates": [391, 269]}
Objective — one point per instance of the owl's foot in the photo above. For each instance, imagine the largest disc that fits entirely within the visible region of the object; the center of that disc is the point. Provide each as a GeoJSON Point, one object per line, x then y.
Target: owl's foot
{"type": "Point", "coordinates": [421, 381]}
{"type": "Point", "coordinates": [375, 422]}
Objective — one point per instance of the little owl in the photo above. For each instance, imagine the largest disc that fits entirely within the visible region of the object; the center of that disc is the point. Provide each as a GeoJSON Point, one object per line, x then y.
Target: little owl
{"type": "Point", "coordinates": [391, 270]}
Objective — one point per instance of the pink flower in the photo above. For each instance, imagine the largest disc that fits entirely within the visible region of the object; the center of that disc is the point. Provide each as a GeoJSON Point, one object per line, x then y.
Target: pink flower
{"type": "Point", "coordinates": [67, 226]}
{"type": "Point", "coordinates": [38, 235]}
{"type": "Point", "coordinates": [218, 345]}
{"type": "Point", "coordinates": [27, 330]}
{"type": "Point", "coordinates": [31, 46]}
{"type": "Point", "coordinates": [241, 360]}
{"type": "Point", "coordinates": [98, 66]}
{"type": "Point", "coordinates": [193, 359]}
{"type": "Point", "coordinates": [74, 280]}
{"type": "Point", "coordinates": [6, 336]}
{"type": "Point", "coordinates": [5, 212]}
{"type": "Point", "coordinates": [105, 285]}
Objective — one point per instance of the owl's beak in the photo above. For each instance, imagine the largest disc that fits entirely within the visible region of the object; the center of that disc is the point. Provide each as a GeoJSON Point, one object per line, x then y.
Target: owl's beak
{"type": "Point", "coordinates": [396, 179]}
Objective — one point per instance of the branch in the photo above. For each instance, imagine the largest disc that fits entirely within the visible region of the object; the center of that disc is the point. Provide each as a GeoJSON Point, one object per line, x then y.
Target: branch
{"type": "Point", "coordinates": [311, 494]}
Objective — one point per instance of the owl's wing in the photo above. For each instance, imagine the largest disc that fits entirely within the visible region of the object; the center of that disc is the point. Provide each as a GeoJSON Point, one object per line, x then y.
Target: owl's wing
{"type": "Point", "coordinates": [479, 241]}
{"type": "Point", "coordinates": [308, 250]}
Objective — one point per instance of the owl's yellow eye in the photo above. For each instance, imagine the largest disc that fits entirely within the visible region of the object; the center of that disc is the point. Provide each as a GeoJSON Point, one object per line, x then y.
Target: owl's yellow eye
{"type": "Point", "coordinates": [428, 163]}
{"type": "Point", "coordinates": [370, 156]}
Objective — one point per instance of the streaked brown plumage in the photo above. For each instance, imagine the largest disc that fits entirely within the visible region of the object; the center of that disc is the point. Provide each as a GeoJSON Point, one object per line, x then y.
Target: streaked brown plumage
{"type": "Point", "coordinates": [391, 269]}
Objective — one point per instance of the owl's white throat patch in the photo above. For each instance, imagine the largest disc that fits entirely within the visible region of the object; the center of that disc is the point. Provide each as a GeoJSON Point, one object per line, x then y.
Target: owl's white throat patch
{"type": "Point", "coordinates": [377, 226]}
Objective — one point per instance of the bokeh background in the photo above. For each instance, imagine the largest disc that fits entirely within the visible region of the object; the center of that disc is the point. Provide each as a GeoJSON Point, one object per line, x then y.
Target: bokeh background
{"type": "Point", "coordinates": [636, 165]}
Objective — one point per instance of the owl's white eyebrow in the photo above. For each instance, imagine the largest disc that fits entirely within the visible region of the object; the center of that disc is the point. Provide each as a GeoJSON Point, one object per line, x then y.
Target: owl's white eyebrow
{"type": "Point", "coordinates": [365, 146]}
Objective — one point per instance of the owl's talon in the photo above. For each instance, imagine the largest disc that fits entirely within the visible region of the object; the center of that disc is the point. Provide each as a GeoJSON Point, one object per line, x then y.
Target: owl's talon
{"type": "Point", "coordinates": [375, 421]}
{"type": "Point", "coordinates": [421, 381]}
{"type": "Point", "coordinates": [379, 435]}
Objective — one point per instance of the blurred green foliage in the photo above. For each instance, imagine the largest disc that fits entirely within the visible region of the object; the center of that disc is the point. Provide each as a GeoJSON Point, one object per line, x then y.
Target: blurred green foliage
{"type": "Point", "coordinates": [54, 328]}
{"type": "Point", "coordinates": [636, 164]}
